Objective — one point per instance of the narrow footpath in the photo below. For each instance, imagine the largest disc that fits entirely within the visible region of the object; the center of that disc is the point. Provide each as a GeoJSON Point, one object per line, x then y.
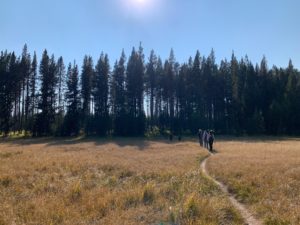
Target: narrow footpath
{"type": "Point", "coordinates": [248, 217]}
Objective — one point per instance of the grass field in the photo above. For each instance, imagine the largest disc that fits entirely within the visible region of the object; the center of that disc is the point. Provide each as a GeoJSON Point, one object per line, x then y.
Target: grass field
{"type": "Point", "coordinates": [262, 173]}
{"type": "Point", "coordinates": [117, 181]}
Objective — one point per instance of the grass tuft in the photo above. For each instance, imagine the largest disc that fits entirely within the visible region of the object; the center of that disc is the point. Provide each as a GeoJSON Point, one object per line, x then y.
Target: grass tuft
{"type": "Point", "coordinates": [6, 181]}
{"type": "Point", "coordinates": [148, 194]}
{"type": "Point", "coordinates": [75, 192]}
{"type": "Point", "coordinates": [191, 208]}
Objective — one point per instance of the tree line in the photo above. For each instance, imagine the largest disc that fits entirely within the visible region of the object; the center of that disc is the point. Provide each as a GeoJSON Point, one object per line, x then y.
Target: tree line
{"type": "Point", "coordinates": [134, 97]}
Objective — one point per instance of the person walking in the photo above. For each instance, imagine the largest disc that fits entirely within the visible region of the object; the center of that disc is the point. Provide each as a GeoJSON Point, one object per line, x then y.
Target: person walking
{"type": "Point", "coordinates": [207, 139]}
{"type": "Point", "coordinates": [200, 133]}
{"type": "Point", "coordinates": [211, 140]}
{"type": "Point", "coordinates": [204, 136]}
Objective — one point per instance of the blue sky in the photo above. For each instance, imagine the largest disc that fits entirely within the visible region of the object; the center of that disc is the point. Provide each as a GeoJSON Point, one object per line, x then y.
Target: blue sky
{"type": "Point", "coordinates": [73, 28]}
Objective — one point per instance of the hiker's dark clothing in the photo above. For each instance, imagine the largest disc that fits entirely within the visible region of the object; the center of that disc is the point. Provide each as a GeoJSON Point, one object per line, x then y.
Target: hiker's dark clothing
{"type": "Point", "coordinates": [204, 139]}
{"type": "Point", "coordinates": [211, 142]}
{"type": "Point", "coordinates": [200, 133]}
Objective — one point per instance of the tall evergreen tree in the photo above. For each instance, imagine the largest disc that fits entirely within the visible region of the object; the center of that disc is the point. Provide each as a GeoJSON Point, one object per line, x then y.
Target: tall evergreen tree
{"type": "Point", "coordinates": [47, 101]}
{"type": "Point", "coordinates": [134, 92]}
{"type": "Point", "coordinates": [25, 70]}
{"type": "Point", "coordinates": [292, 99]}
{"type": "Point", "coordinates": [71, 122]}
{"type": "Point", "coordinates": [87, 77]}
{"type": "Point", "coordinates": [118, 98]}
{"type": "Point", "coordinates": [100, 94]}
{"type": "Point", "coordinates": [61, 81]}
{"type": "Point", "coordinates": [8, 74]}
{"type": "Point", "coordinates": [151, 83]}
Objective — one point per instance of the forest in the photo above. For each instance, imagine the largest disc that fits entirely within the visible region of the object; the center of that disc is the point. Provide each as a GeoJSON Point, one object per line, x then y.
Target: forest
{"type": "Point", "coordinates": [139, 95]}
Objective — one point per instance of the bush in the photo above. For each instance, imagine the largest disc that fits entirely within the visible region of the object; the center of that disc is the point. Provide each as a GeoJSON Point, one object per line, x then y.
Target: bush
{"type": "Point", "coordinates": [154, 132]}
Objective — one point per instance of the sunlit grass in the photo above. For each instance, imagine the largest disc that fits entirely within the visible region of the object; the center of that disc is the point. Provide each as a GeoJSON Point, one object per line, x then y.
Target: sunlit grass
{"type": "Point", "coordinates": [95, 181]}
{"type": "Point", "coordinates": [264, 174]}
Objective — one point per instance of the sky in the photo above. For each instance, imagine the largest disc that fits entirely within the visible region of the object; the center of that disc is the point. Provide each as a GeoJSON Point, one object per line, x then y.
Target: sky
{"type": "Point", "coordinates": [73, 28]}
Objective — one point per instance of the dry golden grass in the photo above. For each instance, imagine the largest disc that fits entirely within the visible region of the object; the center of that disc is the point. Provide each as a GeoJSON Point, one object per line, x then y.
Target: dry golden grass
{"type": "Point", "coordinates": [97, 181]}
{"type": "Point", "coordinates": [262, 173]}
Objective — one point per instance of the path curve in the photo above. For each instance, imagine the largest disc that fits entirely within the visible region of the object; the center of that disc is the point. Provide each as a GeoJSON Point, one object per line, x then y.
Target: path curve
{"type": "Point", "coordinates": [248, 217]}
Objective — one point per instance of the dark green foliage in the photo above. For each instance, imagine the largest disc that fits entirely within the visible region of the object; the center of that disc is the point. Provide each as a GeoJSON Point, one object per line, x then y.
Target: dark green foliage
{"type": "Point", "coordinates": [8, 76]}
{"type": "Point", "coordinates": [71, 121]}
{"type": "Point", "coordinates": [134, 93]}
{"type": "Point", "coordinates": [46, 117]}
{"type": "Point", "coordinates": [118, 98]}
{"type": "Point", "coordinates": [235, 97]}
{"type": "Point", "coordinates": [151, 80]}
{"type": "Point", "coordinates": [87, 77]}
{"type": "Point", "coordinates": [100, 93]}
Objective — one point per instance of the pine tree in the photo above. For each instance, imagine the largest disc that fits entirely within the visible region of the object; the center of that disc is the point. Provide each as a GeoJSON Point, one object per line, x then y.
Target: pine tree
{"type": "Point", "coordinates": [32, 94]}
{"type": "Point", "coordinates": [71, 122]}
{"type": "Point", "coordinates": [61, 76]}
{"type": "Point", "coordinates": [151, 83]}
{"type": "Point", "coordinates": [47, 101]}
{"type": "Point", "coordinates": [8, 73]}
{"type": "Point", "coordinates": [87, 77]}
{"type": "Point", "coordinates": [236, 100]}
{"type": "Point", "coordinates": [118, 98]}
{"type": "Point", "coordinates": [100, 93]}
{"type": "Point", "coordinates": [292, 98]}
{"type": "Point", "coordinates": [134, 92]}
{"type": "Point", "coordinates": [25, 70]}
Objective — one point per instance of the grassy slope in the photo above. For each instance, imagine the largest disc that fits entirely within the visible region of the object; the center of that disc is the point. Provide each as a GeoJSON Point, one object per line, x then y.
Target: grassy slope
{"type": "Point", "coordinates": [264, 174]}
{"type": "Point", "coordinates": [94, 181]}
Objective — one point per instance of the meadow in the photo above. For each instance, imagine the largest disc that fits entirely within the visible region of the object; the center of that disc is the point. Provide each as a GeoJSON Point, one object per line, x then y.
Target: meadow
{"type": "Point", "coordinates": [108, 181]}
{"type": "Point", "coordinates": [264, 174]}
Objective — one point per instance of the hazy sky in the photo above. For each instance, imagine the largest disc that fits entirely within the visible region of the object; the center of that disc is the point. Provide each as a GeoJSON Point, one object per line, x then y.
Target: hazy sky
{"type": "Point", "coordinates": [73, 28]}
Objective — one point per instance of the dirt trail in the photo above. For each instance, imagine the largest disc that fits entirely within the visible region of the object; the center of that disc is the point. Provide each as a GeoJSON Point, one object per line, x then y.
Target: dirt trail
{"type": "Point", "coordinates": [248, 217]}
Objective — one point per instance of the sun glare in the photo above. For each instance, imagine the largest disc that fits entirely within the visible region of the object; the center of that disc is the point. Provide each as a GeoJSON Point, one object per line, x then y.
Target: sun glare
{"type": "Point", "coordinates": [141, 8]}
{"type": "Point", "coordinates": [140, 2]}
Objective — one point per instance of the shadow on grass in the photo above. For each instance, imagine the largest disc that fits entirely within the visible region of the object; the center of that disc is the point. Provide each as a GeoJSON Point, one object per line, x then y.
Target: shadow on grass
{"type": "Point", "coordinates": [139, 142]}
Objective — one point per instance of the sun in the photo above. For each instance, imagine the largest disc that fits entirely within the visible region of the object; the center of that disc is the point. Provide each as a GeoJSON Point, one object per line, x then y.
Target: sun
{"type": "Point", "coordinates": [141, 9]}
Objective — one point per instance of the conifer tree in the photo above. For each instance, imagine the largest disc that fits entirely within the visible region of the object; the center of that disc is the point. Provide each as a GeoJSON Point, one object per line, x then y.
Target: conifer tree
{"type": "Point", "coordinates": [118, 98]}
{"type": "Point", "coordinates": [47, 101]}
{"type": "Point", "coordinates": [71, 122]}
{"type": "Point", "coordinates": [151, 83]}
{"type": "Point", "coordinates": [87, 77]}
{"type": "Point", "coordinates": [100, 93]}
{"type": "Point", "coordinates": [25, 70]}
{"type": "Point", "coordinates": [134, 92]}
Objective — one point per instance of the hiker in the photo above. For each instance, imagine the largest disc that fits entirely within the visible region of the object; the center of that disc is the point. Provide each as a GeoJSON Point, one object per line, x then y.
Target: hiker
{"type": "Point", "coordinates": [204, 136]}
{"type": "Point", "coordinates": [211, 140]}
{"type": "Point", "coordinates": [207, 139]}
{"type": "Point", "coordinates": [200, 133]}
